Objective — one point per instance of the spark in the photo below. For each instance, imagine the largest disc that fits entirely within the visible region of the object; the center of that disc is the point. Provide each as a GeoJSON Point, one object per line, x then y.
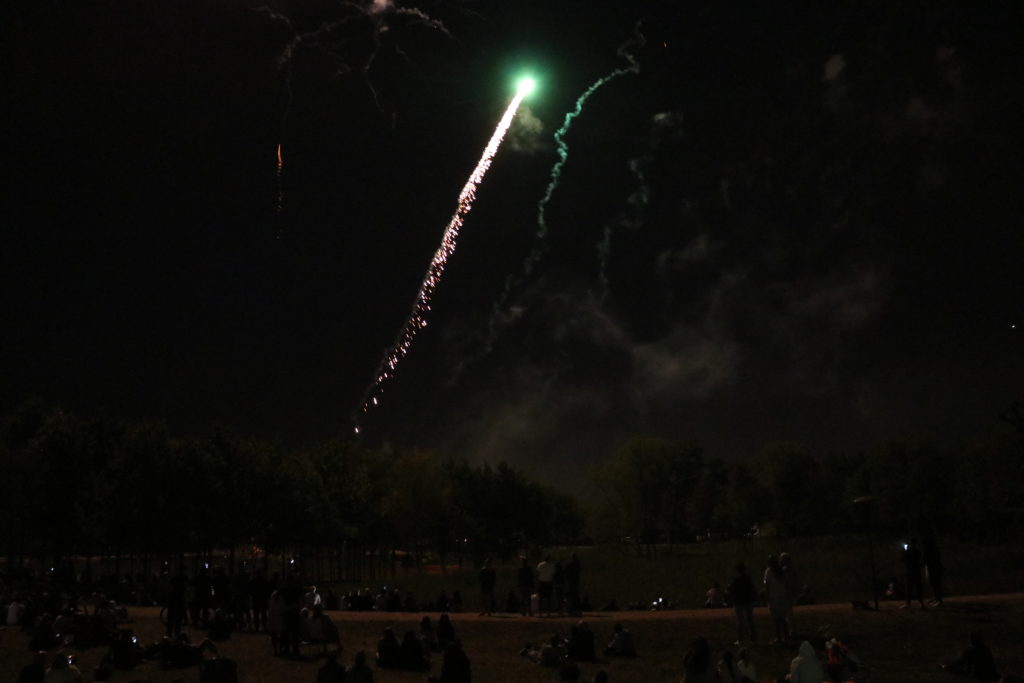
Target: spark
{"type": "Point", "coordinates": [417, 318]}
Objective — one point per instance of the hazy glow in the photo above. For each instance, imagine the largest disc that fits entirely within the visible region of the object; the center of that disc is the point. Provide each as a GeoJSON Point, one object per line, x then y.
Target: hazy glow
{"type": "Point", "coordinates": [526, 86]}
{"type": "Point", "coordinates": [417, 318]}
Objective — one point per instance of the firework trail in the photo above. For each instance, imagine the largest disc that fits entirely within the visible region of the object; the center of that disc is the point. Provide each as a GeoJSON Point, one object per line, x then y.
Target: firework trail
{"type": "Point", "coordinates": [499, 317]}
{"type": "Point", "coordinates": [417, 319]}
{"type": "Point", "coordinates": [328, 40]}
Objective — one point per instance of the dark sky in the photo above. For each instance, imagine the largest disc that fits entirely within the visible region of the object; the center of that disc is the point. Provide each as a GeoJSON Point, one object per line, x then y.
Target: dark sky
{"type": "Point", "coordinates": [794, 223]}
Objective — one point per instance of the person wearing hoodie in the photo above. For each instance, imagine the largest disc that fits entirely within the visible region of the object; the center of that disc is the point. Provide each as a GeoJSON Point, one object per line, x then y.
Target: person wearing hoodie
{"type": "Point", "coordinates": [806, 667]}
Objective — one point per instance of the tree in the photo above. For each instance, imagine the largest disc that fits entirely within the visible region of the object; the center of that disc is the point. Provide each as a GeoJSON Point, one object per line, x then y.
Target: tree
{"type": "Point", "coordinates": [643, 488]}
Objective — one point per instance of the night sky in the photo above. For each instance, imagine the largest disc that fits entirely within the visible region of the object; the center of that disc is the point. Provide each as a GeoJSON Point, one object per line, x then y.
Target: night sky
{"type": "Point", "coordinates": [795, 223]}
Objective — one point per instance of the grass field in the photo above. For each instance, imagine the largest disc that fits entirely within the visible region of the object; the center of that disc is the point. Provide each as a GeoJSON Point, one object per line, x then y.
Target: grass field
{"type": "Point", "coordinates": [897, 644]}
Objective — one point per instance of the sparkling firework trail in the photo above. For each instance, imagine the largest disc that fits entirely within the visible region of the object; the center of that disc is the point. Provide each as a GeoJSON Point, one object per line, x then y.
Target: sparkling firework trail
{"type": "Point", "coordinates": [417, 319]}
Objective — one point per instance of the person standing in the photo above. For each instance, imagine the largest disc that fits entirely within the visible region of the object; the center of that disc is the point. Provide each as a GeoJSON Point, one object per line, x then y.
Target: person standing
{"type": "Point", "coordinates": [546, 583]}
{"type": "Point", "coordinates": [559, 588]}
{"type": "Point", "coordinates": [259, 594]}
{"type": "Point", "coordinates": [777, 597]}
{"type": "Point", "coordinates": [912, 564]}
{"type": "Point", "coordinates": [488, 578]}
{"type": "Point", "coordinates": [933, 565]}
{"type": "Point", "coordinates": [524, 580]}
{"type": "Point", "coordinates": [572, 582]}
{"type": "Point", "coordinates": [789, 574]}
{"type": "Point", "coordinates": [743, 594]}
{"type": "Point", "coordinates": [203, 588]}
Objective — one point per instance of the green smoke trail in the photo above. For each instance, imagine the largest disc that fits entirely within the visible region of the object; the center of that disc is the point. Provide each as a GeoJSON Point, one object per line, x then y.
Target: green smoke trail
{"type": "Point", "coordinates": [563, 156]}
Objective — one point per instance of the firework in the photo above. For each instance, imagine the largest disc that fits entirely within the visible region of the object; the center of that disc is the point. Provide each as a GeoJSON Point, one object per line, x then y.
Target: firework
{"type": "Point", "coordinates": [417, 319]}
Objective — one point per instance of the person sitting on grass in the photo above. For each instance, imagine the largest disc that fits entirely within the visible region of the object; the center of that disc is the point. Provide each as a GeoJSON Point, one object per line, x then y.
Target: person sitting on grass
{"type": "Point", "coordinates": [445, 631]}
{"type": "Point", "coordinates": [125, 652]}
{"type": "Point", "coordinates": [63, 670]}
{"type": "Point", "coordinates": [43, 636]}
{"type": "Point", "coordinates": [581, 643]}
{"type": "Point", "coordinates": [975, 661]}
{"type": "Point", "coordinates": [428, 637]}
{"type": "Point", "coordinates": [621, 644]}
{"type": "Point", "coordinates": [179, 652]}
{"type": "Point", "coordinates": [569, 671]}
{"type": "Point", "coordinates": [806, 667]}
{"type": "Point", "coordinates": [221, 626]}
{"type": "Point", "coordinates": [697, 666]}
{"type": "Point", "coordinates": [319, 629]}
{"type": "Point", "coordinates": [412, 658]}
{"type": "Point", "coordinates": [331, 671]}
{"type": "Point", "coordinates": [35, 671]}
{"type": "Point", "coordinates": [745, 665]}
{"type": "Point", "coordinates": [359, 672]}
{"type": "Point", "coordinates": [728, 672]}
{"type": "Point", "coordinates": [63, 626]}
{"type": "Point", "coordinates": [389, 652]}
{"type": "Point", "coordinates": [455, 667]}
{"type": "Point", "coordinates": [550, 655]}
{"type": "Point", "coordinates": [713, 598]}
{"type": "Point", "coordinates": [15, 611]}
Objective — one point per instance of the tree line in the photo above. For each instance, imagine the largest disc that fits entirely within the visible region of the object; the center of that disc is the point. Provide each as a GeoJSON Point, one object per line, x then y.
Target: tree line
{"type": "Point", "coordinates": [654, 492]}
{"type": "Point", "coordinates": [79, 486]}
{"type": "Point", "coordinates": [99, 487]}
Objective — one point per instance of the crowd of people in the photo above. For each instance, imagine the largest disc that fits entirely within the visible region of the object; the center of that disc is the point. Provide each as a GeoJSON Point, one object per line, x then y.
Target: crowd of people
{"type": "Point", "coordinates": [551, 587]}
{"type": "Point", "coordinates": [779, 590]}
{"type": "Point", "coordinates": [294, 615]}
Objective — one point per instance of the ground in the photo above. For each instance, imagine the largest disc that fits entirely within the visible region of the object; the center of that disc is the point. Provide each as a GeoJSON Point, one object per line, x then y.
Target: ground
{"type": "Point", "coordinates": [897, 644]}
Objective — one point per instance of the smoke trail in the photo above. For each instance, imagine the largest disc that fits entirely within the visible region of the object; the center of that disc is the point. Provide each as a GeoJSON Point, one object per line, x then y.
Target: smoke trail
{"type": "Point", "coordinates": [666, 128]}
{"type": "Point", "coordinates": [417, 318]}
{"type": "Point", "coordinates": [632, 218]}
